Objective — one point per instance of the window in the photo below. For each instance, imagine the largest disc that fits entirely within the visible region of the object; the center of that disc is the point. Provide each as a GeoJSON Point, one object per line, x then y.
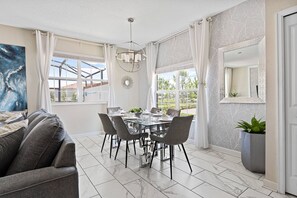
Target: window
{"type": "Point", "coordinates": [178, 90]}
{"type": "Point", "coordinates": [73, 80]}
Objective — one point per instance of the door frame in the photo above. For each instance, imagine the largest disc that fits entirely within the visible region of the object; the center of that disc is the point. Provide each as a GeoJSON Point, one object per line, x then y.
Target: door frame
{"type": "Point", "coordinates": [281, 98]}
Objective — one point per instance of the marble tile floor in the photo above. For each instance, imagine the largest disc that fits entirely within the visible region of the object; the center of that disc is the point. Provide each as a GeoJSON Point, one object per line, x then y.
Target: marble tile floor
{"type": "Point", "coordinates": [215, 174]}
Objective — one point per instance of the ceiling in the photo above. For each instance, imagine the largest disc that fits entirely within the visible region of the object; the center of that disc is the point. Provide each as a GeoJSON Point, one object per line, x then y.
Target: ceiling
{"type": "Point", "coordinates": [106, 20]}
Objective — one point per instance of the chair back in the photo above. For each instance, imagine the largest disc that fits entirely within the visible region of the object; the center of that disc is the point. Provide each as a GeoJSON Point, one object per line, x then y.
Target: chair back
{"type": "Point", "coordinates": [173, 112]}
{"type": "Point", "coordinates": [121, 128]}
{"type": "Point", "coordinates": [178, 131]}
{"type": "Point", "coordinates": [112, 109]}
{"type": "Point", "coordinates": [155, 110]}
{"type": "Point", "coordinates": [107, 124]}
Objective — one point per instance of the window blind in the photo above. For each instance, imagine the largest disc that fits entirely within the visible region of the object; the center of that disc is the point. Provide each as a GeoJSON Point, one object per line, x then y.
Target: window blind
{"type": "Point", "coordinates": [175, 54]}
{"type": "Point", "coordinates": [76, 49]}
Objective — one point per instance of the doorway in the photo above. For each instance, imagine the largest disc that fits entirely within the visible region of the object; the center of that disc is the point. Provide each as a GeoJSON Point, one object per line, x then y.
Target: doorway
{"type": "Point", "coordinates": [287, 46]}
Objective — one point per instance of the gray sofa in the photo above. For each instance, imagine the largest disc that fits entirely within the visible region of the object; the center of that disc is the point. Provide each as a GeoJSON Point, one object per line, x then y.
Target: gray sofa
{"type": "Point", "coordinates": [60, 179]}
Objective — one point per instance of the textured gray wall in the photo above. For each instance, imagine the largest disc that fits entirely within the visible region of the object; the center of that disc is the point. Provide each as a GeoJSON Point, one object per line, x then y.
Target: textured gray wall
{"type": "Point", "coordinates": [243, 22]}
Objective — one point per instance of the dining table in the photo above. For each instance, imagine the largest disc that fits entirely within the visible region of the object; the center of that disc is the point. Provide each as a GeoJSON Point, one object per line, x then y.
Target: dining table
{"type": "Point", "coordinates": [145, 123]}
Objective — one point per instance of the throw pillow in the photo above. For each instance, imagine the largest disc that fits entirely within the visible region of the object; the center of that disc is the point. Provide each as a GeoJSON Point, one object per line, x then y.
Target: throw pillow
{"type": "Point", "coordinates": [36, 121]}
{"type": "Point", "coordinates": [40, 147]}
{"type": "Point", "coordinates": [33, 115]}
{"type": "Point", "coordinates": [9, 145]}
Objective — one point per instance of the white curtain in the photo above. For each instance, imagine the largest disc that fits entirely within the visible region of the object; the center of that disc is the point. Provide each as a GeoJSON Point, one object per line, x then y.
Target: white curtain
{"type": "Point", "coordinates": [228, 81]}
{"type": "Point", "coordinates": [45, 45]}
{"type": "Point", "coordinates": [109, 56]}
{"type": "Point", "coordinates": [151, 62]}
{"type": "Point", "coordinates": [199, 41]}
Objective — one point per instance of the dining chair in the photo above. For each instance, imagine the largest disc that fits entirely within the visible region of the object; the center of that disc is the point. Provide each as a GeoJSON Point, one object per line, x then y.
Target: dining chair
{"type": "Point", "coordinates": [173, 112]}
{"type": "Point", "coordinates": [108, 129]}
{"type": "Point", "coordinates": [112, 109]}
{"type": "Point", "coordinates": [177, 134]}
{"type": "Point", "coordinates": [155, 110]}
{"type": "Point", "coordinates": [124, 134]}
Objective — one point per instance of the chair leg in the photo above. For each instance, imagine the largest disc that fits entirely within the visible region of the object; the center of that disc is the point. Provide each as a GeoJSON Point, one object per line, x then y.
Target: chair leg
{"type": "Point", "coordinates": [179, 147]}
{"type": "Point", "coordinates": [134, 147]}
{"type": "Point", "coordinates": [170, 157]}
{"type": "Point", "coordinates": [187, 157]}
{"type": "Point", "coordinates": [155, 148]}
{"type": "Point", "coordinates": [126, 153]}
{"type": "Point", "coordinates": [119, 143]}
{"type": "Point", "coordinates": [103, 142]}
{"type": "Point", "coordinates": [110, 150]}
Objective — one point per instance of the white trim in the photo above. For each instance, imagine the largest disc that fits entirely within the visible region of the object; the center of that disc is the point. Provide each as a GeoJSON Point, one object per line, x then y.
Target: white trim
{"type": "Point", "coordinates": [281, 147]}
{"type": "Point", "coordinates": [270, 184]}
{"type": "Point", "coordinates": [225, 150]}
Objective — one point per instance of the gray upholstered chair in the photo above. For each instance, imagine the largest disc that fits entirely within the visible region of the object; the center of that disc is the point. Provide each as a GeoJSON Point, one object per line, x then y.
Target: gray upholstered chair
{"type": "Point", "coordinates": [155, 110]}
{"type": "Point", "coordinates": [173, 112]}
{"type": "Point", "coordinates": [113, 109]}
{"type": "Point", "coordinates": [124, 134]}
{"type": "Point", "coordinates": [177, 133]}
{"type": "Point", "coordinates": [108, 129]}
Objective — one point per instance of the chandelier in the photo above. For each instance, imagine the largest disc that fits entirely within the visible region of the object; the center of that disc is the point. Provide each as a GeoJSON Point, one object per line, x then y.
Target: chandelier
{"type": "Point", "coordinates": [131, 57]}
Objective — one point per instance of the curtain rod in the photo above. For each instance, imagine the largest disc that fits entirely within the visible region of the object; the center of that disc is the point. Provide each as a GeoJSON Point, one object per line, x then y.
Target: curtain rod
{"type": "Point", "coordinates": [166, 38]}
{"type": "Point", "coordinates": [73, 39]}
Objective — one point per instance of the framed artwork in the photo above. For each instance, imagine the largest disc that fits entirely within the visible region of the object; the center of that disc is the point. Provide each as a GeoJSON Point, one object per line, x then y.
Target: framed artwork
{"type": "Point", "coordinates": [13, 86]}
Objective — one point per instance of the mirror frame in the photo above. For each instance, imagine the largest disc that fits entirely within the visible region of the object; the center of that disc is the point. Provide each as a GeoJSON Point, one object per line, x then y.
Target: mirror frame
{"type": "Point", "coordinates": [127, 78]}
{"type": "Point", "coordinates": [261, 72]}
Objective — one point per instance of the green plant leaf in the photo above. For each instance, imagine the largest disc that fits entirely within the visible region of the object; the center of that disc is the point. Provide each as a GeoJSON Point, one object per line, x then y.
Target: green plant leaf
{"type": "Point", "coordinates": [256, 125]}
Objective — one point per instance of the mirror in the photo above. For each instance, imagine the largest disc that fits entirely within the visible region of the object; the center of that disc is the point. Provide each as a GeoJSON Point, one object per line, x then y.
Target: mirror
{"type": "Point", "coordinates": [127, 82]}
{"type": "Point", "coordinates": [242, 72]}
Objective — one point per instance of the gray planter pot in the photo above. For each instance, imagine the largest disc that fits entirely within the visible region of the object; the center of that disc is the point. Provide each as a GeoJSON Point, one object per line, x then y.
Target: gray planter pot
{"type": "Point", "coordinates": [253, 151]}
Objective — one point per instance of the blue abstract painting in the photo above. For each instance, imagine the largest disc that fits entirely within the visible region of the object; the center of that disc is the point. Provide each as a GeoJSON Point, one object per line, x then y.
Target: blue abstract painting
{"type": "Point", "coordinates": [13, 86]}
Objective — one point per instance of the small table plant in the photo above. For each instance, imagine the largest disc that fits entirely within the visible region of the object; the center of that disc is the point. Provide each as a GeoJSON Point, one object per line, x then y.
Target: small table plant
{"type": "Point", "coordinates": [136, 111]}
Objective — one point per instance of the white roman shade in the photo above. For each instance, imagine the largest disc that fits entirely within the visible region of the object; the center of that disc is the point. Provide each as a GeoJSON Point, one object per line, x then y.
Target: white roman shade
{"type": "Point", "coordinates": [175, 54]}
{"type": "Point", "coordinates": [72, 48]}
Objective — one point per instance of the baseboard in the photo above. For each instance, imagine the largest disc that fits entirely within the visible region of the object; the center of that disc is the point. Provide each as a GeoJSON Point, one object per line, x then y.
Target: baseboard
{"type": "Point", "coordinates": [270, 184]}
{"type": "Point", "coordinates": [220, 149]}
{"type": "Point", "coordinates": [87, 134]}
{"type": "Point", "coordinates": [226, 151]}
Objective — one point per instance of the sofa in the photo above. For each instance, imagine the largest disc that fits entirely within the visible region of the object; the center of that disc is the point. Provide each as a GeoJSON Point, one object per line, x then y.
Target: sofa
{"type": "Point", "coordinates": [44, 164]}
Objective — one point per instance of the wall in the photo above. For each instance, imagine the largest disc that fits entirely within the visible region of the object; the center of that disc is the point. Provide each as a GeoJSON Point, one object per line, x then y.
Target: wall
{"type": "Point", "coordinates": [126, 98]}
{"type": "Point", "coordinates": [243, 22]}
{"type": "Point", "coordinates": [80, 118]}
{"type": "Point", "coordinates": [22, 37]}
{"type": "Point", "coordinates": [240, 81]}
{"type": "Point", "coordinates": [143, 86]}
{"type": "Point", "coordinates": [272, 7]}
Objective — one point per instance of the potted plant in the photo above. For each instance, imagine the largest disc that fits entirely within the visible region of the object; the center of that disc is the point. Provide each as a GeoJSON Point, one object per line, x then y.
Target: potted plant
{"type": "Point", "coordinates": [253, 144]}
{"type": "Point", "coordinates": [136, 111]}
